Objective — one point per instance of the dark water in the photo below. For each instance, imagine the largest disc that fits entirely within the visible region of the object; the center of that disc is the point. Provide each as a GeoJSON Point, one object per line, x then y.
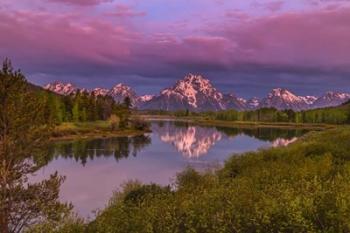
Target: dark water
{"type": "Point", "coordinates": [96, 168]}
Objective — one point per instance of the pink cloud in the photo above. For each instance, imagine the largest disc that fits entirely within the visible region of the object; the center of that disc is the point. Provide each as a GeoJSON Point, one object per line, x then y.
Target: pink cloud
{"type": "Point", "coordinates": [41, 37]}
{"type": "Point", "coordinates": [81, 2]}
{"type": "Point", "coordinates": [125, 11]}
{"type": "Point", "coordinates": [318, 38]}
{"type": "Point", "coordinates": [272, 6]}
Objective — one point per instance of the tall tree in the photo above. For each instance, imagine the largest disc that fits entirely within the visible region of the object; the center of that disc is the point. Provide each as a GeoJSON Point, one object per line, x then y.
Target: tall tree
{"type": "Point", "coordinates": [23, 134]}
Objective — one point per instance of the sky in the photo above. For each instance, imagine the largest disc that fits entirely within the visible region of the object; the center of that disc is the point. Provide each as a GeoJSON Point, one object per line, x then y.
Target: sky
{"type": "Point", "coordinates": [246, 47]}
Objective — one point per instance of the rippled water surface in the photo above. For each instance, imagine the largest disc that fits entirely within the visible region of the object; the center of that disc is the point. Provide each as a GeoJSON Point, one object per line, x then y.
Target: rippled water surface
{"type": "Point", "coordinates": [95, 168]}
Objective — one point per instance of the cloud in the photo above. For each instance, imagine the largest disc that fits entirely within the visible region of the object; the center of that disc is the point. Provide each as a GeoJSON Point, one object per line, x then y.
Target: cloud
{"type": "Point", "coordinates": [81, 2]}
{"type": "Point", "coordinates": [272, 6]}
{"type": "Point", "coordinates": [294, 44]}
{"type": "Point", "coordinates": [312, 39]}
{"type": "Point", "coordinates": [125, 11]}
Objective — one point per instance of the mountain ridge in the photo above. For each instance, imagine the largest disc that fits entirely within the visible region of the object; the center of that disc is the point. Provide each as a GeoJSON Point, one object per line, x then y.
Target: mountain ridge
{"type": "Point", "coordinates": [197, 93]}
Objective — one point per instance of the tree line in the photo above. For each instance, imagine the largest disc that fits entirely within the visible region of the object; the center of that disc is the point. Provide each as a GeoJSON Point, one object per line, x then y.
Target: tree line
{"type": "Point", "coordinates": [330, 115]}
{"type": "Point", "coordinates": [335, 115]}
{"type": "Point", "coordinates": [82, 107]}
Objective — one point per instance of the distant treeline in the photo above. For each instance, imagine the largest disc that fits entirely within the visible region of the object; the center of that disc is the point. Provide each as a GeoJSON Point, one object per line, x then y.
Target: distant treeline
{"type": "Point", "coordinates": [82, 106]}
{"type": "Point", "coordinates": [338, 115]}
{"type": "Point", "coordinates": [332, 115]}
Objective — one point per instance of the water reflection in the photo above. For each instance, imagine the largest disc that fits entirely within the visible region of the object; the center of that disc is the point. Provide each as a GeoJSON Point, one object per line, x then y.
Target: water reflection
{"type": "Point", "coordinates": [195, 141]}
{"type": "Point", "coordinates": [191, 141]}
{"type": "Point", "coordinates": [84, 150]}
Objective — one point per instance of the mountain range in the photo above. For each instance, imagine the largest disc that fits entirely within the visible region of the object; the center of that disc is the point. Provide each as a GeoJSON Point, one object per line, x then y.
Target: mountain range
{"type": "Point", "coordinates": [196, 93]}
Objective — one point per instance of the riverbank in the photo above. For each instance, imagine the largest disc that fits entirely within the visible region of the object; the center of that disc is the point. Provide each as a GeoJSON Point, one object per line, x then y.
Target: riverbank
{"type": "Point", "coordinates": [91, 130]}
{"type": "Point", "coordinates": [238, 124]}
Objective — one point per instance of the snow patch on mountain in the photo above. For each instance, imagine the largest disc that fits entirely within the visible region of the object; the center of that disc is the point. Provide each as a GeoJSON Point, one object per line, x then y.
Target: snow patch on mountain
{"type": "Point", "coordinates": [194, 92]}
{"type": "Point", "coordinates": [61, 88]}
{"type": "Point", "coordinates": [331, 99]}
{"type": "Point", "coordinates": [120, 91]}
{"type": "Point", "coordinates": [100, 92]}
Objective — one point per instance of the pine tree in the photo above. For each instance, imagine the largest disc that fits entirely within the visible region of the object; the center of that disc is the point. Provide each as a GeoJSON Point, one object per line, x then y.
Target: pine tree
{"type": "Point", "coordinates": [24, 131]}
{"type": "Point", "coordinates": [75, 112]}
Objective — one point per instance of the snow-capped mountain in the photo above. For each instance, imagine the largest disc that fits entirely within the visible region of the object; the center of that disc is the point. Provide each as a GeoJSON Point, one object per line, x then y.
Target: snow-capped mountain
{"type": "Point", "coordinates": [252, 103]}
{"type": "Point", "coordinates": [230, 101]}
{"type": "Point", "coordinates": [120, 91]}
{"type": "Point", "coordinates": [281, 99]}
{"type": "Point", "coordinates": [145, 98]}
{"type": "Point", "coordinates": [309, 99]}
{"type": "Point", "coordinates": [331, 99]}
{"type": "Point", "coordinates": [61, 88]}
{"type": "Point", "coordinates": [100, 91]}
{"type": "Point", "coordinates": [194, 93]}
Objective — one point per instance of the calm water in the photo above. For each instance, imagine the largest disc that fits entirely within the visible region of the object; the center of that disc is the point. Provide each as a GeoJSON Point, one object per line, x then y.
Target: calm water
{"type": "Point", "coordinates": [96, 168]}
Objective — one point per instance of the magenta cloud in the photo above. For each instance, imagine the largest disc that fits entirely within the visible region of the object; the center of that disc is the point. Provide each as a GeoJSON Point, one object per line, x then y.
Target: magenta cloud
{"type": "Point", "coordinates": [80, 2]}
{"type": "Point", "coordinates": [44, 42]}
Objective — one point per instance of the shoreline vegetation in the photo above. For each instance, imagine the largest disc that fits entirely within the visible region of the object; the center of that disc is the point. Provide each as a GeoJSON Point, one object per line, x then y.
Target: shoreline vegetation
{"type": "Point", "coordinates": [91, 130]}
{"type": "Point", "coordinates": [102, 129]}
{"type": "Point", "coordinates": [198, 120]}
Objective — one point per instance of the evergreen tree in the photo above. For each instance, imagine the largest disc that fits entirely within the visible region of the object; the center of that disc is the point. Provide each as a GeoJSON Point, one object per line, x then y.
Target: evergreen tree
{"type": "Point", "coordinates": [23, 133]}
{"type": "Point", "coordinates": [75, 112]}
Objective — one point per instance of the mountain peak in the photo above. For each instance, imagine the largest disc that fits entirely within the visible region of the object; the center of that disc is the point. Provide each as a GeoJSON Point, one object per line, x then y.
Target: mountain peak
{"type": "Point", "coordinates": [100, 91]}
{"type": "Point", "coordinates": [282, 98]}
{"type": "Point", "coordinates": [121, 86]}
{"type": "Point", "coordinates": [195, 78]}
{"type": "Point", "coordinates": [281, 92]}
{"type": "Point", "coordinates": [120, 91]}
{"type": "Point", "coordinates": [331, 98]}
{"type": "Point", "coordinates": [61, 88]}
{"type": "Point", "coordinates": [193, 92]}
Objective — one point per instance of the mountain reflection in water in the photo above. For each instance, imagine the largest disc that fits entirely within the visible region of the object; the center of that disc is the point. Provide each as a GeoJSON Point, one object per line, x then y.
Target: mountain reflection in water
{"type": "Point", "coordinates": [195, 141]}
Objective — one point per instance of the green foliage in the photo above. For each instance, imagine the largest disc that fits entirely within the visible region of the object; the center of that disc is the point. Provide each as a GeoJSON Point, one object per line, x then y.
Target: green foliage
{"type": "Point", "coordinates": [25, 123]}
{"type": "Point", "coordinates": [336, 115]}
{"type": "Point", "coordinates": [304, 187]}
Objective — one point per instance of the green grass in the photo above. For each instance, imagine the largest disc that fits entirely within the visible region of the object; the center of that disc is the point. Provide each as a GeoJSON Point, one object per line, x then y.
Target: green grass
{"type": "Point", "coordinates": [96, 129]}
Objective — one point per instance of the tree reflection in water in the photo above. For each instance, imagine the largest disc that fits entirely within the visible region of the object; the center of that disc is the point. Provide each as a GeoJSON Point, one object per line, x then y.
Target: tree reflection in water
{"type": "Point", "coordinates": [84, 150]}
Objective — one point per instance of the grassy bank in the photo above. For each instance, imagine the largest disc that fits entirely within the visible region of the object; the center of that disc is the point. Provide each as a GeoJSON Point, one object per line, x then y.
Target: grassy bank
{"type": "Point", "coordinates": [88, 130]}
